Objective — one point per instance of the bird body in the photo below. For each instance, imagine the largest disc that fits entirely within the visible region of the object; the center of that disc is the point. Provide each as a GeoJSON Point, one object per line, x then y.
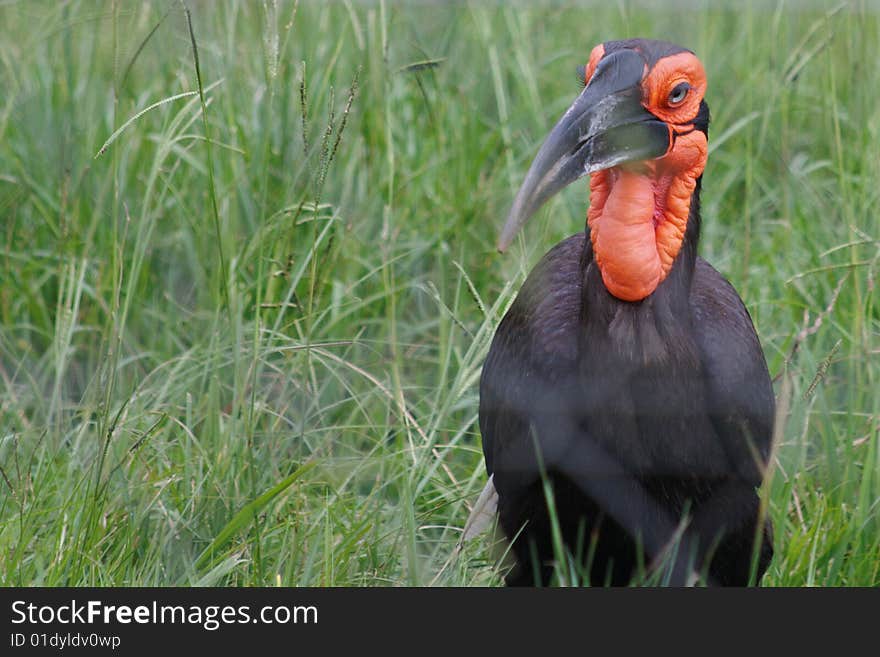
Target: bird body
{"type": "Point", "coordinates": [626, 386]}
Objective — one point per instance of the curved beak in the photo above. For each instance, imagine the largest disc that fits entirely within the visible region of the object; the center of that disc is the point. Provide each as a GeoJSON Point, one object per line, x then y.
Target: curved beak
{"type": "Point", "coordinates": [605, 126]}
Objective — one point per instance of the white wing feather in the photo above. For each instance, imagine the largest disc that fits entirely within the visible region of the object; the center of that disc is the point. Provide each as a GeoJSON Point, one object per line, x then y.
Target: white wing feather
{"type": "Point", "coordinates": [483, 514]}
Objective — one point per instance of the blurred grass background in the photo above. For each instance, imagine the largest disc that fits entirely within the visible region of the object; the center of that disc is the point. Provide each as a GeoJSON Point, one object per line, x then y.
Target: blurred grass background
{"type": "Point", "coordinates": [245, 296]}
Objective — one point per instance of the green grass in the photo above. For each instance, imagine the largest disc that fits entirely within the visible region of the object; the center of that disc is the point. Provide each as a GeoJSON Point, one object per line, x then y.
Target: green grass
{"type": "Point", "coordinates": [241, 334]}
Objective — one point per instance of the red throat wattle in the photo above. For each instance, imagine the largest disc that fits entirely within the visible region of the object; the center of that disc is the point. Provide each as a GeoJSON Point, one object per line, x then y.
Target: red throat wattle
{"type": "Point", "coordinates": [638, 217]}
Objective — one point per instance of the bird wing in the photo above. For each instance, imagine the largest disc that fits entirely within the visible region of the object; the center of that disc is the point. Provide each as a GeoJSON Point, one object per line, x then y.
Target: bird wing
{"type": "Point", "coordinates": [739, 392]}
{"type": "Point", "coordinates": [534, 347]}
{"type": "Point", "coordinates": [740, 405]}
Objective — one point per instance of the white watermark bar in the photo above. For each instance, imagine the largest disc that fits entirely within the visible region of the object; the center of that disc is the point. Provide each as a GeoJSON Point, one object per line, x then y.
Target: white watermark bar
{"type": "Point", "coordinates": [267, 621]}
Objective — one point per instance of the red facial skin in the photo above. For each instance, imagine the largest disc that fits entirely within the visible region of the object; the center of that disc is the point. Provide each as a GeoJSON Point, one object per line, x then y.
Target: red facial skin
{"type": "Point", "coordinates": [638, 211]}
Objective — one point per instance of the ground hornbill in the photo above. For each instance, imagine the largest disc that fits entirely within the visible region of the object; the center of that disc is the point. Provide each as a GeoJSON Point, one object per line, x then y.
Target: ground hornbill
{"type": "Point", "coordinates": [626, 389]}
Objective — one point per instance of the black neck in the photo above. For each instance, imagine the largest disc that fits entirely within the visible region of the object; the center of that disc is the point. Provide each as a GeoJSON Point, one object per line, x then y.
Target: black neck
{"type": "Point", "coordinates": [640, 331]}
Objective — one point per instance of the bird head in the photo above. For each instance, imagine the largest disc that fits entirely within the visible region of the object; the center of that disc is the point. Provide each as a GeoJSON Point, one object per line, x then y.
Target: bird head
{"type": "Point", "coordinates": [639, 129]}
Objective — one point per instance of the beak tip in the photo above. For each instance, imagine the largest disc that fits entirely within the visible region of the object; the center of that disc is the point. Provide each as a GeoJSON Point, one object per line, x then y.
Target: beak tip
{"type": "Point", "coordinates": [511, 227]}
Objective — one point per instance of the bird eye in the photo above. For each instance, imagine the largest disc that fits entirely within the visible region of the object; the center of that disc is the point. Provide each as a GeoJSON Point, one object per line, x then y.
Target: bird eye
{"type": "Point", "coordinates": [679, 93]}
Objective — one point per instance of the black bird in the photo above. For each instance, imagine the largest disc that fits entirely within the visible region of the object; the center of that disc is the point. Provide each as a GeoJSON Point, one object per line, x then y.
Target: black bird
{"type": "Point", "coordinates": [626, 388]}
